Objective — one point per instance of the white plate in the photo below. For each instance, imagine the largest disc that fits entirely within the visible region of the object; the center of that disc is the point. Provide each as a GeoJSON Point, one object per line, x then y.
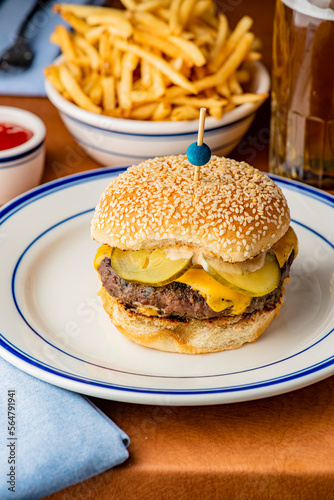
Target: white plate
{"type": "Point", "coordinates": [52, 324]}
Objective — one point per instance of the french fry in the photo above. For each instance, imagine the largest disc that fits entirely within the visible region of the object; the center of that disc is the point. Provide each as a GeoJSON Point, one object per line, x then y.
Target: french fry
{"type": "Point", "coordinates": [145, 38]}
{"type": "Point", "coordinates": [116, 62]}
{"type": "Point", "coordinates": [241, 28]}
{"type": "Point", "coordinates": [187, 47]}
{"type": "Point", "coordinates": [224, 90]}
{"type": "Point", "coordinates": [67, 96]}
{"type": "Point", "coordinates": [144, 112]}
{"type": "Point", "coordinates": [234, 85]}
{"type": "Point", "coordinates": [93, 34]}
{"type": "Point", "coordinates": [231, 64]}
{"type": "Point", "coordinates": [82, 61]}
{"type": "Point", "coordinates": [88, 82]}
{"type": "Point", "coordinates": [78, 24]}
{"type": "Point", "coordinates": [174, 92]}
{"type": "Point", "coordinates": [156, 60]}
{"type": "Point", "coordinates": [152, 23]}
{"type": "Point", "coordinates": [84, 11]}
{"type": "Point", "coordinates": [177, 63]}
{"type": "Point", "coordinates": [129, 63]}
{"type": "Point", "coordinates": [115, 113]}
{"type": "Point", "coordinates": [221, 36]}
{"type": "Point", "coordinates": [52, 74]}
{"type": "Point", "coordinates": [96, 93]}
{"type": "Point", "coordinates": [185, 10]}
{"type": "Point", "coordinates": [74, 90]}
{"type": "Point", "coordinates": [89, 50]}
{"type": "Point", "coordinates": [243, 75]}
{"type": "Point", "coordinates": [201, 6]}
{"type": "Point", "coordinates": [129, 4]}
{"type": "Point", "coordinates": [151, 5]}
{"type": "Point", "coordinates": [104, 51]}
{"type": "Point", "coordinates": [163, 14]}
{"type": "Point", "coordinates": [199, 72]}
{"type": "Point", "coordinates": [162, 111]}
{"type": "Point", "coordinates": [145, 73]}
{"type": "Point", "coordinates": [253, 56]}
{"type": "Point", "coordinates": [165, 68]}
{"type": "Point", "coordinates": [257, 44]}
{"type": "Point", "coordinates": [210, 17]}
{"type": "Point", "coordinates": [200, 103]}
{"type": "Point", "coordinates": [184, 113]}
{"type": "Point", "coordinates": [62, 38]}
{"type": "Point", "coordinates": [211, 93]}
{"type": "Point", "coordinates": [75, 70]}
{"type": "Point", "coordinates": [244, 98]}
{"type": "Point", "coordinates": [229, 107]}
{"type": "Point", "coordinates": [174, 24]}
{"type": "Point", "coordinates": [216, 111]}
{"type": "Point", "coordinates": [119, 23]}
{"type": "Point", "coordinates": [203, 35]}
{"type": "Point", "coordinates": [142, 96]}
{"type": "Point", "coordinates": [158, 83]}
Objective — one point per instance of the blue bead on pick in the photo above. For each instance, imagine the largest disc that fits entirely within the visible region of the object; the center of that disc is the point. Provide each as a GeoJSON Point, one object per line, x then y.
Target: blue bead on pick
{"type": "Point", "coordinates": [198, 155]}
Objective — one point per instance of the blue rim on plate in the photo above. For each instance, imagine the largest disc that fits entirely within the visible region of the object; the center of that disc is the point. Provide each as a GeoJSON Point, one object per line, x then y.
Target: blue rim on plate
{"type": "Point", "coordinates": [20, 203]}
{"type": "Point", "coordinates": [126, 372]}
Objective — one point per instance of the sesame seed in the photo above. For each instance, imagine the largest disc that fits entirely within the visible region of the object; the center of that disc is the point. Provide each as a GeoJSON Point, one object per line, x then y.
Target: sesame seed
{"type": "Point", "coordinates": [228, 211]}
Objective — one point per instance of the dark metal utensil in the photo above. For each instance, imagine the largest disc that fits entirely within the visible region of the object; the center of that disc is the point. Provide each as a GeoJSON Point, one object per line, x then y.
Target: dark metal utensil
{"type": "Point", "coordinates": [20, 55]}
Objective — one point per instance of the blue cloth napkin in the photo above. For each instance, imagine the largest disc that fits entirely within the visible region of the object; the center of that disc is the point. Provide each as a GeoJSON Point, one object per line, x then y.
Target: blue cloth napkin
{"type": "Point", "coordinates": [58, 438]}
{"type": "Point", "coordinates": [12, 14]}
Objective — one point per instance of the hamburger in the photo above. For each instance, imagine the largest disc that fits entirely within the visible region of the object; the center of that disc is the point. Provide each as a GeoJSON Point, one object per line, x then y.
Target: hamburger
{"type": "Point", "coordinates": [193, 266]}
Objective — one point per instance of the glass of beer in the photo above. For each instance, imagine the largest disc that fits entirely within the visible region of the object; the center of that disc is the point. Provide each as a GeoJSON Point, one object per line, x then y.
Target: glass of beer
{"type": "Point", "coordinates": [302, 114]}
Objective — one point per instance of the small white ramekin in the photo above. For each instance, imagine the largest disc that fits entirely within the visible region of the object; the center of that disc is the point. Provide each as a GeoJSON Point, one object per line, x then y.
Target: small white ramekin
{"type": "Point", "coordinates": [116, 141]}
{"type": "Point", "coordinates": [21, 168]}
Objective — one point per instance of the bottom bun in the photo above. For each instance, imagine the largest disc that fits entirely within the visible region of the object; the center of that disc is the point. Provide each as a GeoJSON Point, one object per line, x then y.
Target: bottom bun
{"type": "Point", "coordinates": [191, 336]}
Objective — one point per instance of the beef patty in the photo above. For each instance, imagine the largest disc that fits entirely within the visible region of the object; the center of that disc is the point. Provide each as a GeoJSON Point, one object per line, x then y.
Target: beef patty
{"type": "Point", "coordinates": [178, 299]}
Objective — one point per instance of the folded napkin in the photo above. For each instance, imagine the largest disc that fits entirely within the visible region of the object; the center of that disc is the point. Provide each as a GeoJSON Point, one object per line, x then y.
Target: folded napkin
{"type": "Point", "coordinates": [12, 14]}
{"type": "Point", "coordinates": [58, 438]}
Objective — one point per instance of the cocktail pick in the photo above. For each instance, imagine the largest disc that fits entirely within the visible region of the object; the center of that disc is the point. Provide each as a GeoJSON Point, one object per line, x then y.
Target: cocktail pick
{"type": "Point", "coordinates": [199, 153]}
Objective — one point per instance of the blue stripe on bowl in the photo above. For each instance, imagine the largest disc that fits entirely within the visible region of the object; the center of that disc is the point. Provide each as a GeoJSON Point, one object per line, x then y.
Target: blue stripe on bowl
{"type": "Point", "coordinates": [22, 155]}
{"type": "Point", "coordinates": [182, 134]}
{"type": "Point", "coordinates": [33, 156]}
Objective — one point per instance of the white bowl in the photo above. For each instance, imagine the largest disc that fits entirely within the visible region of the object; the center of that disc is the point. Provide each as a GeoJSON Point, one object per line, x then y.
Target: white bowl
{"type": "Point", "coordinates": [116, 141]}
{"type": "Point", "coordinates": [21, 168]}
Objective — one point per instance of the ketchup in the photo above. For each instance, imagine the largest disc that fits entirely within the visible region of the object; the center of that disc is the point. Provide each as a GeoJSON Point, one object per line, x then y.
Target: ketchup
{"type": "Point", "coordinates": [12, 135]}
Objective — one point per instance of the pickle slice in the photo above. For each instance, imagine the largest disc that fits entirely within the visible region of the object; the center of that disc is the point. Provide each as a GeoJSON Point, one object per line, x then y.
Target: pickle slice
{"type": "Point", "coordinates": [254, 284]}
{"type": "Point", "coordinates": [284, 246]}
{"type": "Point", "coordinates": [148, 268]}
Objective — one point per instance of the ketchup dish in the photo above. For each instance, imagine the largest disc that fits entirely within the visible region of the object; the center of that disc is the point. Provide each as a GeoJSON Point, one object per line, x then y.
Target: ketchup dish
{"type": "Point", "coordinates": [22, 151]}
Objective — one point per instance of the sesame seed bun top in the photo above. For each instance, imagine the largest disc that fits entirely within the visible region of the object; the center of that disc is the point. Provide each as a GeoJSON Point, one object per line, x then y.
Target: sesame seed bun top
{"type": "Point", "coordinates": [233, 211]}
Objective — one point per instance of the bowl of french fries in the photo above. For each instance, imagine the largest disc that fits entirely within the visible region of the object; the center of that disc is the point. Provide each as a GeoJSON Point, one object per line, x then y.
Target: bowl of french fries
{"type": "Point", "coordinates": [129, 83]}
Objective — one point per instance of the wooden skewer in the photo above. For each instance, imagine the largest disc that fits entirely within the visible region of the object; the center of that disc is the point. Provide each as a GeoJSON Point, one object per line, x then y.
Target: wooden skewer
{"type": "Point", "coordinates": [200, 139]}
{"type": "Point", "coordinates": [201, 126]}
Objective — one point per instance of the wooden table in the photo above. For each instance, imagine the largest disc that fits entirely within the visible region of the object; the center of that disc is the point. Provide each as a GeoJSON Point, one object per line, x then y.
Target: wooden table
{"type": "Point", "coordinates": [276, 448]}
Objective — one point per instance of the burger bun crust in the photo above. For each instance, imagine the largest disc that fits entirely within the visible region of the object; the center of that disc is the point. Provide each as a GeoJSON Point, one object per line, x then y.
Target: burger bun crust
{"type": "Point", "coordinates": [234, 211]}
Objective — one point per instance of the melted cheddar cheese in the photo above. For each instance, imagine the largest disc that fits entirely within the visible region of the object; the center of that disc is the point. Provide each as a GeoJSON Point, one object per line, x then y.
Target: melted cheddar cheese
{"type": "Point", "coordinates": [218, 296]}
{"type": "Point", "coordinates": [103, 251]}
